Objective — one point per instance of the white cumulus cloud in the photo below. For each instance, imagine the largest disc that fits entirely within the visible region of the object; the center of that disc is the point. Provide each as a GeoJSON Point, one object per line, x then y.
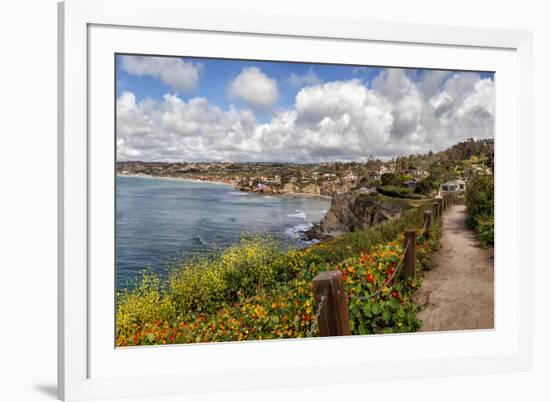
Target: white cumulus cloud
{"type": "Point", "coordinates": [179, 75]}
{"type": "Point", "coordinates": [339, 120]}
{"type": "Point", "coordinates": [254, 88]}
{"type": "Point", "coordinates": [309, 78]}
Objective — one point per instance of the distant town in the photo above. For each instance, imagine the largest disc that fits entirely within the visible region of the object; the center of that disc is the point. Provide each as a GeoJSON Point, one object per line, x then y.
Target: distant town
{"type": "Point", "coordinates": [411, 176]}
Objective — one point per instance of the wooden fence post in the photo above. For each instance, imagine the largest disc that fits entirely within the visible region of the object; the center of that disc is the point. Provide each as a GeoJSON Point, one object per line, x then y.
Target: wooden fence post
{"type": "Point", "coordinates": [434, 210]}
{"type": "Point", "coordinates": [409, 267]}
{"type": "Point", "coordinates": [439, 207]}
{"type": "Point", "coordinates": [333, 317]}
{"type": "Point", "coordinates": [427, 223]}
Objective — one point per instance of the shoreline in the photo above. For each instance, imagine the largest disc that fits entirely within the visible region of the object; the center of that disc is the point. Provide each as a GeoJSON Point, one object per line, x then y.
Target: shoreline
{"type": "Point", "coordinates": [222, 183]}
{"type": "Point", "coordinates": [184, 179]}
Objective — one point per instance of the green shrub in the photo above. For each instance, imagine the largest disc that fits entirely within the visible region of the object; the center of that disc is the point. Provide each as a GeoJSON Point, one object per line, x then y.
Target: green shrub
{"type": "Point", "coordinates": [146, 303]}
{"type": "Point", "coordinates": [480, 206]}
{"type": "Point", "coordinates": [240, 270]}
{"type": "Point", "coordinates": [480, 196]}
{"type": "Point", "coordinates": [394, 191]}
{"type": "Point", "coordinates": [425, 186]}
{"type": "Point", "coordinates": [388, 179]}
{"type": "Point", "coordinates": [399, 192]}
{"type": "Point", "coordinates": [486, 230]}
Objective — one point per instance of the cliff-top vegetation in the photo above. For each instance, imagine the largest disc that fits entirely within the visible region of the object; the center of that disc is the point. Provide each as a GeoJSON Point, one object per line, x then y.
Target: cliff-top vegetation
{"type": "Point", "coordinates": [257, 290]}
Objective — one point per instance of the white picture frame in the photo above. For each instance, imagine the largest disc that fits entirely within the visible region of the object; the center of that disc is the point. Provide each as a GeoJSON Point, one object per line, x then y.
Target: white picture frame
{"type": "Point", "coordinates": [90, 367]}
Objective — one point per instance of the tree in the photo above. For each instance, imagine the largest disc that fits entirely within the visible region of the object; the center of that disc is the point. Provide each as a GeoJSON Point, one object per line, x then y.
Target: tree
{"type": "Point", "coordinates": [388, 178]}
{"type": "Point", "coordinates": [424, 186]}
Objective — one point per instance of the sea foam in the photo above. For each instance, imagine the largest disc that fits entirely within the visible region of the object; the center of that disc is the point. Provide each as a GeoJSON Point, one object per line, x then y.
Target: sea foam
{"type": "Point", "coordinates": [297, 214]}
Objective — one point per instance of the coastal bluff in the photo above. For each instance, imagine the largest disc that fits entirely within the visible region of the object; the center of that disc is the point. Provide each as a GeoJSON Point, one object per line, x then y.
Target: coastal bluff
{"type": "Point", "coordinates": [356, 211]}
{"type": "Point", "coordinates": [324, 189]}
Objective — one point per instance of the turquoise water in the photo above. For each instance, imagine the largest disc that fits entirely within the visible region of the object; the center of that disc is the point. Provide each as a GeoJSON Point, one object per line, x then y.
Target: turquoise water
{"type": "Point", "coordinates": [162, 220]}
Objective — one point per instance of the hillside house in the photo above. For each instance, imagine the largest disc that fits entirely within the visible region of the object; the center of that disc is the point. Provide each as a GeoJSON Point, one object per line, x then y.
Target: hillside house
{"type": "Point", "coordinates": [451, 187]}
{"type": "Point", "coordinates": [375, 175]}
{"type": "Point", "coordinates": [349, 177]}
{"type": "Point", "coordinates": [385, 169]}
{"type": "Point", "coordinates": [272, 180]}
{"type": "Point", "coordinates": [418, 173]}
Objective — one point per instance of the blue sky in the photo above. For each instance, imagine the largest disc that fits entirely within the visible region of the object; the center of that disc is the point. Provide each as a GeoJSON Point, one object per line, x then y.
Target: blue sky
{"type": "Point", "coordinates": [409, 103]}
{"type": "Point", "coordinates": [217, 73]}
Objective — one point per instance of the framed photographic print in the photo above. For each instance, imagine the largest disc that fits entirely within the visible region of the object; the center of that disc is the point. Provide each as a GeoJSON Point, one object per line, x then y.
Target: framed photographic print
{"type": "Point", "coordinates": [245, 198]}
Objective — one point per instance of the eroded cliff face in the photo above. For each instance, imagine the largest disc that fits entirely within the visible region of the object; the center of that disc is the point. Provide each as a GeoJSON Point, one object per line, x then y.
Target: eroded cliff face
{"type": "Point", "coordinates": [327, 188]}
{"type": "Point", "coordinates": [356, 211]}
{"type": "Point", "coordinates": [331, 188]}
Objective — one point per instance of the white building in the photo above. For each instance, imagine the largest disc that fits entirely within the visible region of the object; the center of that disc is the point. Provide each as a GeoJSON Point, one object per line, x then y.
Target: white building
{"type": "Point", "coordinates": [272, 180]}
{"type": "Point", "coordinates": [350, 177]}
{"type": "Point", "coordinates": [384, 169]}
{"type": "Point", "coordinates": [418, 173]}
{"type": "Point", "coordinates": [452, 186]}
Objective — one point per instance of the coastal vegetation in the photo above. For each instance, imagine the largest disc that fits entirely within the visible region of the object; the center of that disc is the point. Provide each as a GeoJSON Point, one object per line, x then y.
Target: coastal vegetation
{"type": "Point", "coordinates": [398, 192]}
{"type": "Point", "coordinates": [480, 204]}
{"type": "Point", "coordinates": [257, 290]}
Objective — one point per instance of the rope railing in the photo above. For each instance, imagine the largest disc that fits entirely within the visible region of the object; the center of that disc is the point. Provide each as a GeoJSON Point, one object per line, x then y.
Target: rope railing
{"type": "Point", "coordinates": [424, 232]}
{"type": "Point", "coordinates": [317, 314]}
{"type": "Point", "coordinates": [392, 276]}
{"type": "Point", "coordinates": [323, 297]}
{"type": "Point", "coordinates": [426, 226]}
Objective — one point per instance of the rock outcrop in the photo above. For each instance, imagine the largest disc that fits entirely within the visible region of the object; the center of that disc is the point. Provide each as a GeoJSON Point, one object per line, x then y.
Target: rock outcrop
{"type": "Point", "coordinates": [356, 211]}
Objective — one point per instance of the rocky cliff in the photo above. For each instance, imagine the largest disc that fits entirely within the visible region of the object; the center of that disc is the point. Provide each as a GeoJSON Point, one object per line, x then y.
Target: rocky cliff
{"type": "Point", "coordinates": [356, 211]}
{"type": "Point", "coordinates": [327, 188]}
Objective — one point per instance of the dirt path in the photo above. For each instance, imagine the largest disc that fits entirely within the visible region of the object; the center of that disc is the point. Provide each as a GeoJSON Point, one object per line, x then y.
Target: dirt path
{"type": "Point", "coordinates": [458, 292]}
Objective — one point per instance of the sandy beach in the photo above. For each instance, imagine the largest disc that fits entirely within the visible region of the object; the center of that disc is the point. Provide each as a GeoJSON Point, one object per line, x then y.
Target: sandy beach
{"type": "Point", "coordinates": [146, 176]}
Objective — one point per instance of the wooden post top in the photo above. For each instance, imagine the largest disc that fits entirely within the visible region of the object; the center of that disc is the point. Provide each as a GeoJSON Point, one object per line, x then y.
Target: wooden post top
{"type": "Point", "coordinates": [327, 276]}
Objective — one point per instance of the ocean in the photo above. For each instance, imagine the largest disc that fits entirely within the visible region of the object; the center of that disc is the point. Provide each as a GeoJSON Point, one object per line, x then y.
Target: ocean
{"type": "Point", "coordinates": [160, 221]}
